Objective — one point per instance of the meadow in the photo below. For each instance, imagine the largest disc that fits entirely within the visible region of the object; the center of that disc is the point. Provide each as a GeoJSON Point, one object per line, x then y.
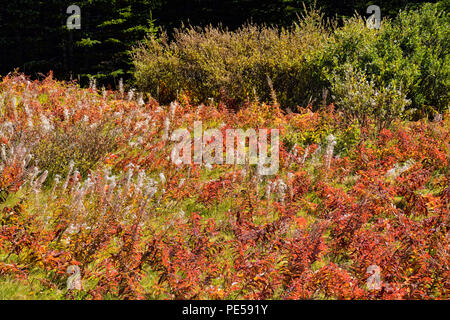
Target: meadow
{"type": "Point", "coordinates": [87, 187]}
{"type": "Point", "coordinates": [93, 205]}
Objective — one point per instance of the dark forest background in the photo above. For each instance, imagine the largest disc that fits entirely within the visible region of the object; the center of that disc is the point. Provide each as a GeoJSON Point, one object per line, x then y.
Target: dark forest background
{"type": "Point", "coordinates": [34, 38]}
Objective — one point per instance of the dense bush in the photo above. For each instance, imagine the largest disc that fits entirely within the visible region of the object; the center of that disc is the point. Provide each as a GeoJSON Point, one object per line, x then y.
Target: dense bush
{"type": "Point", "coordinates": [423, 36]}
{"type": "Point", "coordinates": [213, 63]}
{"type": "Point", "coordinates": [360, 99]}
{"type": "Point", "coordinates": [408, 55]}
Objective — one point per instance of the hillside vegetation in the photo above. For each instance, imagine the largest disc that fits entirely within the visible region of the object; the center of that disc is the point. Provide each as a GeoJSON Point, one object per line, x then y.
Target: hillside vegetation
{"type": "Point", "coordinates": [403, 66]}
{"type": "Point", "coordinates": [86, 181]}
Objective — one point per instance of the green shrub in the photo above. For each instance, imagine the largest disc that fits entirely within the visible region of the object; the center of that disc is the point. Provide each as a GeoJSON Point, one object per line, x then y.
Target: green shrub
{"type": "Point", "coordinates": [359, 98]}
{"type": "Point", "coordinates": [347, 139]}
{"type": "Point", "coordinates": [424, 38]}
{"type": "Point", "coordinates": [210, 62]}
{"type": "Point", "coordinates": [409, 53]}
{"type": "Point", "coordinates": [408, 57]}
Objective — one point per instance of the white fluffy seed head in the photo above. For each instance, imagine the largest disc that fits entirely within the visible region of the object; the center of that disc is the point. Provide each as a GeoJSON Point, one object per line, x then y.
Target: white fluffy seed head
{"type": "Point", "coordinates": [163, 178]}
{"type": "Point", "coordinates": [3, 153]}
{"type": "Point", "coordinates": [173, 107]}
{"type": "Point", "coordinates": [166, 129]}
{"type": "Point", "coordinates": [140, 100]}
{"type": "Point", "coordinates": [140, 180]}
{"type": "Point", "coordinates": [45, 122]}
{"type": "Point", "coordinates": [121, 87]}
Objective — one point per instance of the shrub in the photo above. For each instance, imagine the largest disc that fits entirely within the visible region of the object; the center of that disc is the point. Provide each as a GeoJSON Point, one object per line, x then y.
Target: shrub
{"type": "Point", "coordinates": [423, 36]}
{"type": "Point", "coordinates": [83, 144]}
{"type": "Point", "coordinates": [409, 53]}
{"type": "Point", "coordinates": [213, 62]}
{"type": "Point", "coordinates": [360, 99]}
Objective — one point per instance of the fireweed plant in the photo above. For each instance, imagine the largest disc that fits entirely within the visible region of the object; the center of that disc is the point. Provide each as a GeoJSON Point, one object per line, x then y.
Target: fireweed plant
{"type": "Point", "coordinates": [208, 147]}
{"type": "Point", "coordinates": [93, 207]}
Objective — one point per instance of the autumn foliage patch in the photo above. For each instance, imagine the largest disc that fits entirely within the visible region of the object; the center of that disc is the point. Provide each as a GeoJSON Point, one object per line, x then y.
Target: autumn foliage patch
{"type": "Point", "coordinates": [86, 180]}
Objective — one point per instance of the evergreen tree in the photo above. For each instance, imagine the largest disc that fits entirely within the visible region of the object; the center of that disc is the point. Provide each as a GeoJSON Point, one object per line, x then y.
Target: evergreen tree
{"type": "Point", "coordinates": [109, 30]}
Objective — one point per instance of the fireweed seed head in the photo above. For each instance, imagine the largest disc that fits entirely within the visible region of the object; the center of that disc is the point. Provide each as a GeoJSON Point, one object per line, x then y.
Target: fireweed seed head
{"type": "Point", "coordinates": [93, 83]}
{"type": "Point", "coordinates": [14, 107]}
{"type": "Point", "coordinates": [331, 142]}
{"type": "Point", "coordinates": [140, 100]}
{"type": "Point", "coordinates": [42, 179]}
{"type": "Point", "coordinates": [28, 111]}
{"type": "Point", "coordinates": [34, 174]}
{"type": "Point", "coordinates": [27, 160]}
{"type": "Point", "coordinates": [166, 129]}
{"type": "Point", "coordinates": [151, 188]}
{"type": "Point", "coordinates": [57, 179]}
{"type": "Point", "coordinates": [74, 280]}
{"type": "Point", "coordinates": [71, 165]}
{"type": "Point", "coordinates": [3, 153]}
{"type": "Point", "coordinates": [129, 175]}
{"type": "Point", "coordinates": [66, 114]}
{"type": "Point", "coordinates": [294, 151]}
{"type": "Point", "coordinates": [75, 178]}
{"type": "Point", "coordinates": [173, 107]}
{"type": "Point", "coordinates": [9, 126]}
{"type": "Point", "coordinates": [131, 94]}
{"type": "Point", "coordinates": [140, 180]}
{"type": "Point", "coordinates": [162, 178]}
{"type": "Point", "coordinates": [45, 123]}
{"type": "Point", "coordinates": [121, 90]}
{"type": "Point", "coordinates": [268, 190]}
{"type": "Point", "coordinates": [281, 187]}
